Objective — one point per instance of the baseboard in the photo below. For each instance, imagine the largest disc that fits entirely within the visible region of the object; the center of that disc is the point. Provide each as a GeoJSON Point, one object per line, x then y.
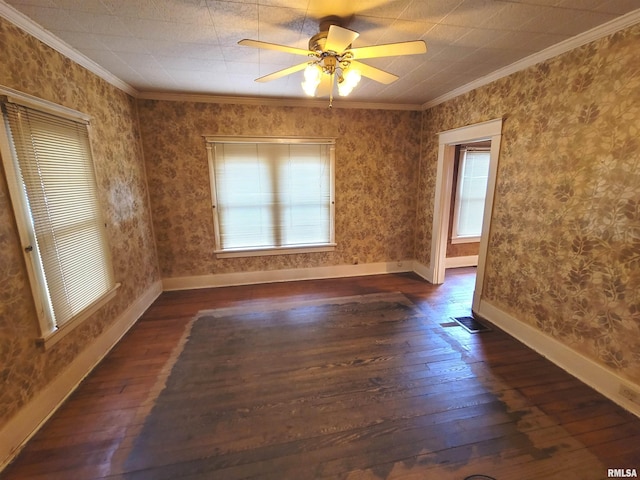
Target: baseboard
{"type": "Point", "coordinates": [29, 419]}
{"type": "Point", "coordinates": [287, 275]}
{"type": "Point", "coordinates": [583, 368]}
{"type": "Point", "coordinates": [422, 270]}
{"type": "Point", "coordinates": [458, 262]}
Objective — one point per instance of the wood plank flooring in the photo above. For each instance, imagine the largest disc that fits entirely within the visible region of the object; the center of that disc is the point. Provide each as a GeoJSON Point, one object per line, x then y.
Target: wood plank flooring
{"type": "Point", "coordinates": [421, 400]}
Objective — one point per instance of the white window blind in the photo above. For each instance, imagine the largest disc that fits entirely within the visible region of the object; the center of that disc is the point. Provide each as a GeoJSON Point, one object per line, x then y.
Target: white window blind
{"type": "Point", "coordinates": [66, 236]}
{"type": "Point", "coordinates": [272, 195]}
{"type": "Point", "coordinates": [470, 194]}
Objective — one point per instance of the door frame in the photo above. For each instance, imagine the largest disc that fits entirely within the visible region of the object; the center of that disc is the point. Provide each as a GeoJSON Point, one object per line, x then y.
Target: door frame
{"type": "Point", "coordinates": [447, 141]}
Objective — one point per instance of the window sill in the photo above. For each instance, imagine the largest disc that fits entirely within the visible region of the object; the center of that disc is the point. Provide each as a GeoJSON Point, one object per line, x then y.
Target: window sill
{"type": "Point", "coordinates": [51, 338]}
{"type": "Point", "coordinates": [465, 240]}
{"type": "Point", "coordinates": [261, 252]}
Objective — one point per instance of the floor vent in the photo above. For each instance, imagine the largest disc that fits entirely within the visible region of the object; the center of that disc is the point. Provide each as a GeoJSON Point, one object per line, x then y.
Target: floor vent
{"type": "Point", "coordinates": [471, 325]}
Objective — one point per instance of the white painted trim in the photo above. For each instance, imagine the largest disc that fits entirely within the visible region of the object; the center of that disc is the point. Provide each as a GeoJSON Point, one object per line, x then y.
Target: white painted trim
{"type": "Point", "coordinates": [441, 210]}
{"type": "Point", "coordinates": [471, 133]}
{"type": "Point", "coordinates": [50, 338]}
{"type": "Point", "coordinates": [583, 368]}
{"type": "Point", "coordinates": [34, 29]}
{"type": "Point", "coordinates": [496, 139]}
{"type": "Point", "coordinates": [594, 34]}
{"type": "Point", "coordinates": [26, 100]}
{"type": "Point", "coordinates": [447, 140]}
{"type": "Point", "coordinates": [285, 275]}
{"type": "Point", "coordinates": [422, 270]}
{"type": "Point", "coordinates": [269, 139]}
{"type": "Point", "coordinates": [460, 240]}
{"type": "Point", "coordinates": [22, 426]}
{"type": "Point", "coordinates": [276, 102]}
{"type": "Point", "coordinates": [457, 262]}
{"type": "Point", "coordinates": [262, 252]}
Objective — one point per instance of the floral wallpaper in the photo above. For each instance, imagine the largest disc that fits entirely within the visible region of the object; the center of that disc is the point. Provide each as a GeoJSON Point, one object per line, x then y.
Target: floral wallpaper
{"type": "Point", "coordinates": [376, 164]}
{"type": "Point", "coordinates": [564, 246]}
{"type": "Point", "coordinates": [462, 249]}
{"type": "Point", "coordinates": [31, 67]}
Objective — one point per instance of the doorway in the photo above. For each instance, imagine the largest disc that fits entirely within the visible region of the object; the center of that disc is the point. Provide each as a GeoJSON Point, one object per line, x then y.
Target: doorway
{"type": "Point", "coordinates": [448, 142]}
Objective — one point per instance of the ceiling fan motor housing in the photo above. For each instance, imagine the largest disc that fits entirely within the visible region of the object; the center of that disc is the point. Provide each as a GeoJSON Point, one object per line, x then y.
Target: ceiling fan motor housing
{"type": "Point", "coordinates": [318, 41]}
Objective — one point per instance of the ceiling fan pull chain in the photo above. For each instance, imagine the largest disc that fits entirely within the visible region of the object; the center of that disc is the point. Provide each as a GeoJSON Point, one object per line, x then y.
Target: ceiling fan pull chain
{"type": "Point", "coordinates": [331, 91]}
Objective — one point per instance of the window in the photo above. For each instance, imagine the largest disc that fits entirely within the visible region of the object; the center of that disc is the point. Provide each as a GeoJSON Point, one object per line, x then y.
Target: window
{"type": "Point", "coordinates": [471, 190]}
{"type": "Point", "coordinates": [271, 196]}
{"type": "Point", "coordinates": [47, 157]}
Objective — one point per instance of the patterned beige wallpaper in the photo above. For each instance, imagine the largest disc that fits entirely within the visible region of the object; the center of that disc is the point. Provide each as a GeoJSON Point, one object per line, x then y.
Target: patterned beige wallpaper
{"type": "Point", "coordinates": [376, 171]}
{"type": "Point", "coordinates": [564, 247]}
{"type": "Point", "coordinates": [29, 66]}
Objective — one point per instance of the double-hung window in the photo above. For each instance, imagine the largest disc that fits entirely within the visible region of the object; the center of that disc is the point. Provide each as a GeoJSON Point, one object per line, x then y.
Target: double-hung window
{"type": "Point", "coordinates": [271, 195]}
{"type": "Point", "coordinates": [471, 190]}
{"type": "Point", "coordinates": [47, 157]}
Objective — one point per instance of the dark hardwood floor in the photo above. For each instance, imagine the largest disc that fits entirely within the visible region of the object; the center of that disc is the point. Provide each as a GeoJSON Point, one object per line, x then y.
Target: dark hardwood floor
{"type": "Point", "coordinates": [421, 400]}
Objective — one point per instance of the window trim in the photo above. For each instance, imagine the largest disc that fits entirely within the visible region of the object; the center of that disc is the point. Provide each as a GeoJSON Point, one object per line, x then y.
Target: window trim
{"type": "Point", "coordinates": [26, 100]}
{"type": "Point", "coordinates": [330, 246]}
{"type": "Point", "coordinates": [49, 332]}
{"type": "Point", "coordinates": [455, 238]}
{"type": "Point", "coordinates": [260, 252]}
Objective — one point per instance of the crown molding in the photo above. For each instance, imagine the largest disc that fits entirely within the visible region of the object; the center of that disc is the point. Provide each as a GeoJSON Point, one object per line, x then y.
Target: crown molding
{"type": "Point", "coordinates": [273, 101]}
{"type": "Point", "coordinates": [34, 29]}
{"type": "Point", "coordinates": [596, 33]}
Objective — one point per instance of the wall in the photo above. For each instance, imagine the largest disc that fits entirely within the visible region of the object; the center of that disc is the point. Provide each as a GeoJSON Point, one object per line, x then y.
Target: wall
{"type": "Point", "coordinates": [376, 171]}
{"type": "Point", "coordinates": [31, 67]}
{"type": "Point", "coordinates": [564, 246]}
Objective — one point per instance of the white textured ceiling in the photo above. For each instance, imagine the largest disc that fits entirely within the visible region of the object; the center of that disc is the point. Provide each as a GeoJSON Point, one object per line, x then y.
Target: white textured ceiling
{"type": "Point", "coordinates": [190, 46]}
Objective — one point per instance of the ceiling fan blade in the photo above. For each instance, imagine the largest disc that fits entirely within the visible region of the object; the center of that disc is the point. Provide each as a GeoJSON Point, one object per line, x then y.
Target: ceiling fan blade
{"type": "Point", "coordinates": [339, 39]}
{"type": "Point", "coordinates": [390, 49]}
{"type": "Point", "coordinates": [274, 46]}
{"type": "Point", "coordinates": [325, 87]}
{"type": "Point", "coordinates": [373, 73]}
{"type": "Point", "coordinates": [283, 73]}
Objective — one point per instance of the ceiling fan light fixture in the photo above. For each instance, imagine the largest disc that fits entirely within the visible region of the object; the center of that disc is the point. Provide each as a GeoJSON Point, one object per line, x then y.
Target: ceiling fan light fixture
{"type": "Point", "coordinates": [348, 81]}
{"type": "Point", "coordinates": [312, 74]}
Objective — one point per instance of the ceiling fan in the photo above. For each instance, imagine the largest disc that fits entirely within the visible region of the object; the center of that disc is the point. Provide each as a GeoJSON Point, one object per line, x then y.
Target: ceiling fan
{"type": "Point", "coordinates": [332, 60]}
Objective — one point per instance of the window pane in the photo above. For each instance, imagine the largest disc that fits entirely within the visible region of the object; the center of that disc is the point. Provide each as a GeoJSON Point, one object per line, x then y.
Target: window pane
{"type": "Point", "coordinates": [53, 161]}
{"type": "Point", "coordinates": [474, 172]}
{"type": "Point", "coordinates": [304, 195]}
{"type": "Point", "coordinates": [245, 197]}
{"type": "Point", "coordinates": [272, 194]}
